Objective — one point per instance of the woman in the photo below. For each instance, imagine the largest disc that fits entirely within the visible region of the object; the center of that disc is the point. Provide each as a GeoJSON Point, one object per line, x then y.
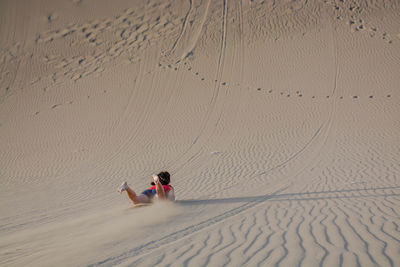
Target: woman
{"type": "Point", "coordinates": [160, 189]}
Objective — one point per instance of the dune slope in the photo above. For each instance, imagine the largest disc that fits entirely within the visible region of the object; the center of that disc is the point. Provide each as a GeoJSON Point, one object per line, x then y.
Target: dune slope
{"type": "Point", "coordinates": [278, 120]}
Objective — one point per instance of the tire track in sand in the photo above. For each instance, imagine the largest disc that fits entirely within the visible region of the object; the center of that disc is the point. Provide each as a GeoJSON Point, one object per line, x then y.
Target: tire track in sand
{"type": "Point", "coordinates": [180, 234]}
{"type": "Point", "coordinates": [215, 94]}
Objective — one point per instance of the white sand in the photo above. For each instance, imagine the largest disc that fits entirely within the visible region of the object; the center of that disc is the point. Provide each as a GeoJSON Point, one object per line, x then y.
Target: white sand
{"type": "Point", "coordinates": [278, 120]}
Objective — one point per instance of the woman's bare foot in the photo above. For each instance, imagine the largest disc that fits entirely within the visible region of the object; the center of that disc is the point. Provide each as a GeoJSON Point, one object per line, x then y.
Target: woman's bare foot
{"type": "Point", "coordinates": [122, 187]}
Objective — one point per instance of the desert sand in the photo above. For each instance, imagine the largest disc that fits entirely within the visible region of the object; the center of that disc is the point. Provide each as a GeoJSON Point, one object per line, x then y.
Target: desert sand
{"type": "Point", "coordinates": [279, 122]}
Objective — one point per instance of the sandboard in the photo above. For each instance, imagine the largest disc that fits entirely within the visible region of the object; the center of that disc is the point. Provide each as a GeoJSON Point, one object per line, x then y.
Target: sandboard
{"type": "Point", "coordinates": [140, 205]}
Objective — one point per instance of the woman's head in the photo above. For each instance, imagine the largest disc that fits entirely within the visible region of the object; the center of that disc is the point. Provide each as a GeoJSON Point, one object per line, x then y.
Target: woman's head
{"type": "Point", "coordinates": [164, 178]}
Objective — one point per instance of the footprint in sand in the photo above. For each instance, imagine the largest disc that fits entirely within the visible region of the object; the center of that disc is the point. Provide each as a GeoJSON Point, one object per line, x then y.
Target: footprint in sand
{"type": "Point", "coordinates": [128, 39]}
{"type": "Point", "coordinates": [77, 2]}
{"type": "Point", "coordinates": [351, 12]}
{"type": "Point", "coordinates": [51, 17]}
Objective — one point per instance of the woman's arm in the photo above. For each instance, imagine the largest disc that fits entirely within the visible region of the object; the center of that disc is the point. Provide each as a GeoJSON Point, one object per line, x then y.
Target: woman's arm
{"type": "Point", "coordinates": [159, 188]}
{"type": "Point", "coordinates": [171, 194]}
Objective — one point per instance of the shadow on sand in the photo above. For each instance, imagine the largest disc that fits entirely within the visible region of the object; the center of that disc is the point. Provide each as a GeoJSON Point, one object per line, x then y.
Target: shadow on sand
{"type": "Point", "coordinates": [307, 196]}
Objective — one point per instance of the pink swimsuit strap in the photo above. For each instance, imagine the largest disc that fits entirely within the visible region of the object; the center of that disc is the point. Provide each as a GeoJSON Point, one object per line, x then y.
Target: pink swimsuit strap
{"type": "Point", "coordinates": [166, 188]}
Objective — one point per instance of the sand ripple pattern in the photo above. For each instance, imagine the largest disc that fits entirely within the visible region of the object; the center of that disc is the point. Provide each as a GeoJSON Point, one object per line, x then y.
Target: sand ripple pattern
{"type": "Point", "coordinates": [277, 119]}
{"type": "Point", "coordinates": [357, 227]}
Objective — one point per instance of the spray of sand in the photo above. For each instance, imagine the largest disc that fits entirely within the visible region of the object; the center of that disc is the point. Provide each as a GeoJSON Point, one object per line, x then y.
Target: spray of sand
{"type": "Point", "coordinates": [85, 237]}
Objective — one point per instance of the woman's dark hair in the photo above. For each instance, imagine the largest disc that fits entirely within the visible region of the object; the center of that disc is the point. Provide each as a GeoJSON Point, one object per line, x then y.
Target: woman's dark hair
{"type": "Point", "coordinates": [164, 178]}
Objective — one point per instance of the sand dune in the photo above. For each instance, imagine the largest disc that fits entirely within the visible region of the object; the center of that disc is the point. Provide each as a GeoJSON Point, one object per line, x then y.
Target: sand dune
{"type": "Point", "coordinates": [278, 121]}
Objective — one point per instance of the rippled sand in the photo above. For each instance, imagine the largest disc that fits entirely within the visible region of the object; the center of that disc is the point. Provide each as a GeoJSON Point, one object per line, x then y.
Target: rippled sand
{"type": "Point", "coordinates": [278, 120]}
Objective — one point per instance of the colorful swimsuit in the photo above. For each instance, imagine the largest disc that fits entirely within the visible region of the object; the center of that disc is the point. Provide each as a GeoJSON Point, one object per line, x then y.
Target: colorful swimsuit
{"type": "Point", "coordinates": [151, 192]}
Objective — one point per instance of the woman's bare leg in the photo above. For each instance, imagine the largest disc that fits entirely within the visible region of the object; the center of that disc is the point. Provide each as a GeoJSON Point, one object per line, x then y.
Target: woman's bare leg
{"type": "Point", "coordinates": [136, 199]}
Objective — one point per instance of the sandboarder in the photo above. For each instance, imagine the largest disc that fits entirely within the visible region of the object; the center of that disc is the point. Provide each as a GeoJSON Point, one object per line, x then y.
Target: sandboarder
{"type": "Point", "coordinates": [160, 189]}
